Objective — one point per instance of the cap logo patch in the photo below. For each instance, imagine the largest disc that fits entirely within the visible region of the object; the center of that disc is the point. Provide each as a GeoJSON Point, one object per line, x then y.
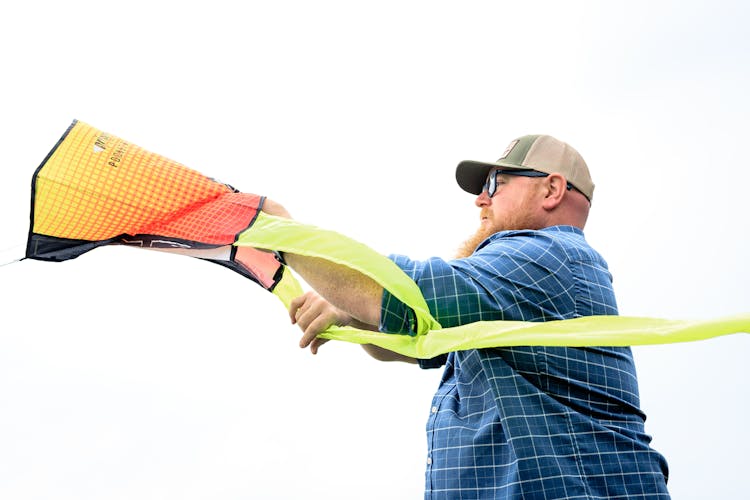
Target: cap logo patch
{"type": "Point", "coordinates": [509, 149]}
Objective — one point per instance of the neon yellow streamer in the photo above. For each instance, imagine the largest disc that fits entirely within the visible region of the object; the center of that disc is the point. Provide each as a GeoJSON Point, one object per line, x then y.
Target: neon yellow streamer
{"type": "Point", "coordinates": [578, 332]}
{"type": "Point", "coordinates": [288, 288]}
{"type": "Point", "coordinates": [285, 235]}
{"type": "Point", "coordinates": [273, 233]}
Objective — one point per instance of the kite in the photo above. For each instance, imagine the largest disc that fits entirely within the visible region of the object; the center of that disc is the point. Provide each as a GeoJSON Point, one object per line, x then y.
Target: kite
{"type": "Point", "coordinates": [95, 189]}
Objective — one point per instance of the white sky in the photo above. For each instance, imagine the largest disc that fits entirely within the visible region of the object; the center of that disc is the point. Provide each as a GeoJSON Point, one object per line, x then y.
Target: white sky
{"type": "Point", "coordinates": [131, 374]}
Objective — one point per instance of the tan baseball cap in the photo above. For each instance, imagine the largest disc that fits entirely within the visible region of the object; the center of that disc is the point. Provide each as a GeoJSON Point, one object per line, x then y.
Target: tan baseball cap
{"type": "Point", "coordinates": [542, 153]}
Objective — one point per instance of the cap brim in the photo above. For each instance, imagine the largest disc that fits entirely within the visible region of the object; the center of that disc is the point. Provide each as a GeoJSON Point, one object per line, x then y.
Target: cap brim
{"type": "Point", "coordinates": [471, 174]}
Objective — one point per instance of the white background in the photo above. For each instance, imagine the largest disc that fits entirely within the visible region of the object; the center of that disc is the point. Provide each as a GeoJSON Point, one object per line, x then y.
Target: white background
{"type": "Point", "coordinates": [132, 374]}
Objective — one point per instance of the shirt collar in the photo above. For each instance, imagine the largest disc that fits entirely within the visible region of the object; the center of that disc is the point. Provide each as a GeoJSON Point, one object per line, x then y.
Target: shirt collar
{"type": "Point", "coordinates": [529, 232]}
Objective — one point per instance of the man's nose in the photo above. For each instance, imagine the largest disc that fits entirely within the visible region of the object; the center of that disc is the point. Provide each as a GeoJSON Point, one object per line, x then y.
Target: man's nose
{"type": "Point", "coordinates": [483, 199]}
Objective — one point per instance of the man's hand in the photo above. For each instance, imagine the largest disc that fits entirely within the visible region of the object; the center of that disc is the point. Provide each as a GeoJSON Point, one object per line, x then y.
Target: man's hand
{"type": "Point", "coordinates": [346, 295]}
{"type": "Point", "coordinates": [313, 314]}
{"type": "Point", "coordinates": [274, 208]}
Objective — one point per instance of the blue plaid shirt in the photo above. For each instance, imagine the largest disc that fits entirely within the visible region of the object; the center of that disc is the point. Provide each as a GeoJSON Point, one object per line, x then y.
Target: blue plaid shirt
{"type": "Point", "coordinates": [530, 422]}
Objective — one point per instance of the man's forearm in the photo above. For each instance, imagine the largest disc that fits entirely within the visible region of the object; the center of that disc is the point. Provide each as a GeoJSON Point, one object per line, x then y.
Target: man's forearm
{"type": "Point", "coordinates": [349, 290]}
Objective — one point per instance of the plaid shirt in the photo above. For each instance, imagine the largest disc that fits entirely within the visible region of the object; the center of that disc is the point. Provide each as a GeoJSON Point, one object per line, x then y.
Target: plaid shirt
{"type": "Point", "coordinates": [530, 422]}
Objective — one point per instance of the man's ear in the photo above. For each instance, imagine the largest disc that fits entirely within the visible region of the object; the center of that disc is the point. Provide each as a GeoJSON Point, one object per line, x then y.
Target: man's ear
{"type": "Point", "coordinates": [555, 185]}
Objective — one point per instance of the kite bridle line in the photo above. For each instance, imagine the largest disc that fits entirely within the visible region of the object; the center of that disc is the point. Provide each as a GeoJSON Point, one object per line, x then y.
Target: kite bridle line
{"type": "Point", "coordinates": [12, 250]}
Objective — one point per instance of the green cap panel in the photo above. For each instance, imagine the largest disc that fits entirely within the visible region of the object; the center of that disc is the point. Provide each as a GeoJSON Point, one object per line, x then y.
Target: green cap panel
{"type": "Point", "coordinates": [515, 154]}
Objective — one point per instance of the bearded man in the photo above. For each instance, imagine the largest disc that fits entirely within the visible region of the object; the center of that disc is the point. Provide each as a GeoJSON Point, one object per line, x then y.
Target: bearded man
{"type": "Point", "coordinates": [511, 422]}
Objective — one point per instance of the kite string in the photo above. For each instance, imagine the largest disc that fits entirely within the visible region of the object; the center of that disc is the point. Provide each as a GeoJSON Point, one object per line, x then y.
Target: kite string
{"type": "Point", "coordinates": [7, 255]}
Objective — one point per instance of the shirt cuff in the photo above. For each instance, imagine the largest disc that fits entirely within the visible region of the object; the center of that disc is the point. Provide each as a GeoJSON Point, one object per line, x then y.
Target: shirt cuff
{"type": "Point", "coordinates": [395, 316]}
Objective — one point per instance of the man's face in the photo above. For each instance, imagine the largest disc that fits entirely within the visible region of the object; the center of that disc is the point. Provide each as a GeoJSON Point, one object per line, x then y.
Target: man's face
{"type": "Point", "coordinates": [516, 204]}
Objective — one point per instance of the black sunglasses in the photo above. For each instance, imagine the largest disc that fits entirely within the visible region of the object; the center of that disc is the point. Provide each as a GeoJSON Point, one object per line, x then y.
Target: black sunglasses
{"type": "Point", "coordinates": [490, 185]}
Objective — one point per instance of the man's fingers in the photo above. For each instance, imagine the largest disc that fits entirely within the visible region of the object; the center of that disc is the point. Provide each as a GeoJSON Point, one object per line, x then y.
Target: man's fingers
{"type": "Point", "coordinates": [297, 306]}
{"type": "Point", "coordinates": [316, 325]}
{"type": "Point", "coordinates": [309, 334]}
{"type": "Point", "coordinates": [314, 315]}
{"type": "Point", "coordinates": [316, 343]}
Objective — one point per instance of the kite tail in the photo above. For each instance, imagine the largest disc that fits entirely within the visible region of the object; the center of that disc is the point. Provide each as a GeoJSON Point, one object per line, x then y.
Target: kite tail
{"type": "Point", "coordinates": [285, 235]}
{"type": "Point", "coordinates": [274, 233]}
{"type": "Point", "coordinates": [288, 288]}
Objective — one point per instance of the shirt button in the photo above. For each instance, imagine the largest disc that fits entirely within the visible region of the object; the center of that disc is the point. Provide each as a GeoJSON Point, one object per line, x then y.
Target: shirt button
{"type": "Point", "coordinates": [429, 460]}
{"type": "Point", "coordinates": [434, 409]}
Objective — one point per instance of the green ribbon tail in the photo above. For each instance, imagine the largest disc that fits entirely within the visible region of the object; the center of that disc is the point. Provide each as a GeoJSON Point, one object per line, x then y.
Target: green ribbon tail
{"type": "Point", "coordinates": [285, 235]}
{"type": "Point", "coordinates": [578, 332]}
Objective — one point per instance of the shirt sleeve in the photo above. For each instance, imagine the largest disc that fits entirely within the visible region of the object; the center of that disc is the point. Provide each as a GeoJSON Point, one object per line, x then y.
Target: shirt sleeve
{"type": "Point", "coordinates": [513, 276]}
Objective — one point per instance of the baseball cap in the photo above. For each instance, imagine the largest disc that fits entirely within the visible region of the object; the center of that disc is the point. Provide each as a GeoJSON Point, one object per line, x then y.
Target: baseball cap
{"type": "Point", "coordinates": [542, 153]}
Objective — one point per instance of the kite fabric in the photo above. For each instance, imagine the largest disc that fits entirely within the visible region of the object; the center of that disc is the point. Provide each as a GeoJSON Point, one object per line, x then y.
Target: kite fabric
{"type": "Point", "coordinates": [95, 189]}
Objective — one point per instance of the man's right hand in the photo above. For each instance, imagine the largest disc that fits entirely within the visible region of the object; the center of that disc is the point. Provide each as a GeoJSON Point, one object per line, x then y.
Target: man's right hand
{"type": "Point", "coordinates": [313, 314]}
{"type": "Point", "coordinates": [274, 208]}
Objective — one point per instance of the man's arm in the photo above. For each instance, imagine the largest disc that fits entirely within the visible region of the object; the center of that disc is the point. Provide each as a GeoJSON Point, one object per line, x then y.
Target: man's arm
{"type": "Point", "coordinates": [349, 290]}
{"type": "Point", "coordinates": [385, 355]}
{"type": "Point", "coordinates": [347, 297]}
{"type": "Point", "coordinates": [346, 289]}
{"type": "Point", "coordinates": [313, 314]}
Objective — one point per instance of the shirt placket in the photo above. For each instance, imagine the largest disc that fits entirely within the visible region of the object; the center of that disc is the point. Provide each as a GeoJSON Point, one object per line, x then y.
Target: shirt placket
{"type": "Point", "coordinates": [432, 424]}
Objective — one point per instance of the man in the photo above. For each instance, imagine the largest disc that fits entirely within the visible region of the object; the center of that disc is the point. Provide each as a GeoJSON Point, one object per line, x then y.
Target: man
{"type": "Point", "coordinates": [517, 422]}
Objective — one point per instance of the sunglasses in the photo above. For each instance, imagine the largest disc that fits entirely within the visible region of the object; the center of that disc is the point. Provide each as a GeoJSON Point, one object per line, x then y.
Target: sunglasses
{"type": "Point", "coordinates": [490, 185]}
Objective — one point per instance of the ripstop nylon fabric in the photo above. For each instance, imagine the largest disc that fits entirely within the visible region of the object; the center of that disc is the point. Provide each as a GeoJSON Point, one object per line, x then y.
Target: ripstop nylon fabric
{"type": "Point", "coordinates": [95, 189]}
{"type": "Point", "coordinates": [285, 235]}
